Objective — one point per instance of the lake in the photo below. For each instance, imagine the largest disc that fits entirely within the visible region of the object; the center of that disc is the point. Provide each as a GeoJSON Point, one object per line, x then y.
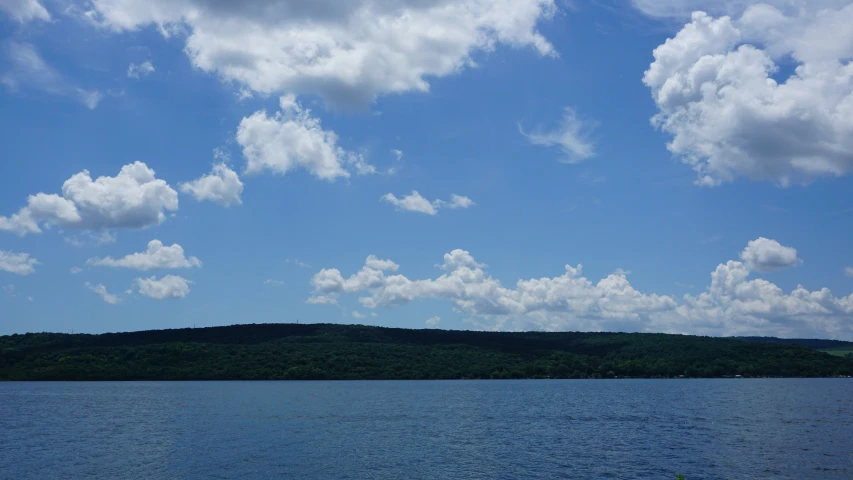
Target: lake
{"type": "Point", "coordinates": [516, 429]}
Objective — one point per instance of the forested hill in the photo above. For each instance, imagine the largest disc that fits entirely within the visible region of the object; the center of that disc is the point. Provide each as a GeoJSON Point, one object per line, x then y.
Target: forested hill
{"type": "Point", "coordinates": [803, 342]}
{"type": "Point", "coordinates": [322, 351]}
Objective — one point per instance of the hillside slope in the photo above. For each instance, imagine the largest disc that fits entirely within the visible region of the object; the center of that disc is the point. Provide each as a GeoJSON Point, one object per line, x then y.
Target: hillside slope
{"type": "Point", "coordinates": [323, 351]}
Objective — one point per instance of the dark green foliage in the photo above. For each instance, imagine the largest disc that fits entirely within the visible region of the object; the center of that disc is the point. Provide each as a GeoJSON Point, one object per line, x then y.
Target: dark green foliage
{"type": "Point", "coordinates": [815, 343]}
{"type": "Point", "coordinates": [318, 351]}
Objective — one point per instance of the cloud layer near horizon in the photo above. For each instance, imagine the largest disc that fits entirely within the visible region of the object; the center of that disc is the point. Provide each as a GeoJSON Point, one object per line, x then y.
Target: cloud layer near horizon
{"type": "Point", "coordinates": [733, 304]}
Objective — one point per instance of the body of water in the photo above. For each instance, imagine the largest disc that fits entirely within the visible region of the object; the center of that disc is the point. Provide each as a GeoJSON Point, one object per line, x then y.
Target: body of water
{"type": "Point", "coordinates": [735, 429]}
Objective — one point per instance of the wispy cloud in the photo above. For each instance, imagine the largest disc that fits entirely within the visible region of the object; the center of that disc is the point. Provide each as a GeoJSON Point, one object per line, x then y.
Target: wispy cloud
{"type": "Point", "coordinates": [106, 296]}
{"type": "Point", "coordinates": [273, 282]}
{"type": "Point", "coordinates": [138, 71]}
{"type": "Point", "coordinates": [592, 178]}
{"type": "Point", "coordinates": [571, 136]}
{"type": "Point", "coordinates": [25, 10]}
{"type": "Point", "coordinates": [297, 262]}
{"type": "Point", "coordinates": [713, 239]}
{"type": "Point", "coordinates": [29, 70]}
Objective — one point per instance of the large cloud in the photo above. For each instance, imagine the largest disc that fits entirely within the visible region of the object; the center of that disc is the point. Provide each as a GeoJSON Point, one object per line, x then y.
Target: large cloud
{"type": "Point", "coordinates": [346, 51]}
{"type": "Point", "coordinates": [133, 199]}
{"type": "Point", "coordinates": [765, 255]}
{"type": "Point", "coordinates": [729, 115]}
{"type": "Point", "coordinates": [293, 138]}
{"type": "Point", "coordinates": [733, 304]}
{"type": "Point", "coordinates": [170, 286]}
{"type": "Point", "coordinates": [157, 256]}
{"type": "Point", "coordinates": [18, 263]}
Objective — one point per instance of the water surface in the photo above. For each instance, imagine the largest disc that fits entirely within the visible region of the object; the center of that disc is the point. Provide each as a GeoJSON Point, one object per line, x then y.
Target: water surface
{"type": "Point", "coordinates": [627, 429]}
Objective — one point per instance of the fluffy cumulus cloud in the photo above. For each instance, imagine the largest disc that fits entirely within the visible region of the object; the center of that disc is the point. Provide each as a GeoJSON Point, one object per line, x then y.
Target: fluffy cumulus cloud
{"type": "Point", "coordinates": [140, 70]}
{"type": "Point", "coordinates": [730, 113]}
{"type": "Point", "coordinates": [106, 296]}
{"type": "Point", "coordinates": [415, 202]}
{"type": "Point", "coordinates": [433, 322]}
{"type": "Point", "coordinates": [17, 263]}
{"type": "Point", "coordinates": [348, 52]}
{"type": "Point", "coordinates": [733, 304]}
{"type": "Point", "coordinates": [170, 286]}
{"type": "Point", "coordinates": [157, 256]}
{"type": "Point", "coordinates": [293, 138]}
{"type": "Point", "coordinates": [133, 199]}
{"type": "Point", "coordinates": [222, 186]}
{"type": "Point", "coordinates": [571, 136]}
{"type": "Point", "coordinates": [765, 255]}
{"type": "Point", "coordinates": [25, 10]}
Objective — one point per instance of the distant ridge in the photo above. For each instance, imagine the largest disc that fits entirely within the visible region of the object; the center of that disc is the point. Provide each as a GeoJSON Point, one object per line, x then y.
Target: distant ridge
{"type": "Point", "coordinates": [803, 342]}
{"type": "Point", "coordinates": [356, 352]}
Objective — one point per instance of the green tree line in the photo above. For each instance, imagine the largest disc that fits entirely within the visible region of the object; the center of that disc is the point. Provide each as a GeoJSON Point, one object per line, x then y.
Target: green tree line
{"type": "Point", "coordinates": [323, 351]}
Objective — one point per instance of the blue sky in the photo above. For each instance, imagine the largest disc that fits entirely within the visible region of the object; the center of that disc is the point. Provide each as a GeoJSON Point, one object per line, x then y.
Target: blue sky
{"type": "Point", "coordinates": [280, 145]}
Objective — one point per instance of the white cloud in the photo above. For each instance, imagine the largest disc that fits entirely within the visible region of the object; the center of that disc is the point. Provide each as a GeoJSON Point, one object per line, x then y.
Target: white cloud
{"type": "Point", "coordinates": [86, 238]}
{"type": "Point", "coordinates": [29, 70]}
{"type": "Point", "coordinates": [398, 154]}
{"type": "Point", "coordinates": [765, 255]}
{"type": "Point", "coordinates": [322, 300]}
{"type": "Point", "coordinates": [76, 270]}
{"type": "Point", "coordinates": [17, 263]}
{"type": "Point", "coordinates": [156, 256]}
{"type": "Point", "coordinates": [133, 199]}
{"type": "Point", "coordinates": [348, 52]}
{"type": "Point", "coordinates": [293, 138]}
{"type": "Point", "coordinates": [275, 283]}
{"type": "Point", "coordinates": [682, 9]}
{"type": "Point", "coordinates": [222, 186]}
{"type": "Point", "coordinates": [142, 70]}
{"type": "Point", "coordinates": [571, 136]}
{"type": "Point", "coordinates": [101, 290]}
{"type": "Point", "coordinates": [414, 202]}
{"type": "Point", "coordinates": [729, 117]}
{"type": "Point", "coordinates": [170, 286]}
{"type": "Point", "coordinates": [357, 314]}
{"type": "Point", "coordinates": [297, 262]}
{"type": "Point", "coordinates": [732, 305]}
{"type": "Point", "coordinates": [458, 201]}
{"type": "Point", "coordinates": [433, 322]}
{"type": "Point", "coordinates": [380, 264]}
{"type": "Point", "coordinates": [848, 271]}
{"type": "Point", "coordinates": [25, 10]}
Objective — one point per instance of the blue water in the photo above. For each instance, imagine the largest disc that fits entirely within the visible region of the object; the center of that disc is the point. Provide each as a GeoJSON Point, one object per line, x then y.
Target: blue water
{"type": "Point", "coordinates": [623, 429]}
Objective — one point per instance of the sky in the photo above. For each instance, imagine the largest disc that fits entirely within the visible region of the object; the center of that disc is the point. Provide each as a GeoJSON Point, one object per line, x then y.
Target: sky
{"type": "Point", "coordinates": [679, 166]}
